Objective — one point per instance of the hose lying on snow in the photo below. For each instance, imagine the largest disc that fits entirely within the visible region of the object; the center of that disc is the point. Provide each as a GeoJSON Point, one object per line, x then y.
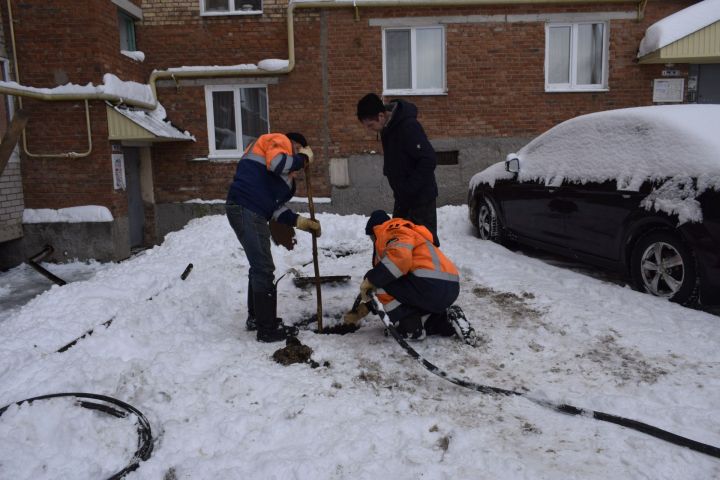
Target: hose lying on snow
{"type": "Point", "coordinates": [558, 407]}
{"type": "Point", "coordinates": [145, 441]}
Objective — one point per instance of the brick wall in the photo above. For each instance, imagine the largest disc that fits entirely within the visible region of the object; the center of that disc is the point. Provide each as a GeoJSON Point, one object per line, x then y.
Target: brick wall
{"type": "Point", "coordinates": [495, 79]}
{"type": "Point", "coordinates": [494, 75]}
{"type": "Point", "coordinates": [11, 201]}
{"type": "Point", "coordinates": [61, 42]}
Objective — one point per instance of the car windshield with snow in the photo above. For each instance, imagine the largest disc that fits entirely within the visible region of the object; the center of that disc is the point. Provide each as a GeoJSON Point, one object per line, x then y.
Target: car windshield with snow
{"type": "Point", "coordinates": [636, 190]}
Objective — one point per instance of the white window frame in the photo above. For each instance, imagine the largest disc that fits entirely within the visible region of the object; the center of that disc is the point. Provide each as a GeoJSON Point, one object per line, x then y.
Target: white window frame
{"type": "Point", "coordinates": [231, 9]}
{"type": "Point", "coordinates": [442, 90]}
{"type": "Point", "coordinates": [209, 89]}
{"type": "Point", "coordinates": [573, 86]}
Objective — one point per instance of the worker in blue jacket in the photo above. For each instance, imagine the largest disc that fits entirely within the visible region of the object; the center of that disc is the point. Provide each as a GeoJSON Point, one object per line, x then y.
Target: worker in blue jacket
{"type": "Point", "coordinates": [409, 159]}
{"type": "Point", "coordinates": [264, 182]}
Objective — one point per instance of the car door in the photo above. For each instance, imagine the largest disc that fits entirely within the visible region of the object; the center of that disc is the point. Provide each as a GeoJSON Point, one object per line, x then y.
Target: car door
{"type": "Point", "coordinates": [597, 214]}
{"type": "Point", "coordinates": [531, 211]}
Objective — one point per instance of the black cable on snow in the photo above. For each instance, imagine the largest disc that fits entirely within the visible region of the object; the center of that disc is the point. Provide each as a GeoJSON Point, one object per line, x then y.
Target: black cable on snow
{"type": "Point", "coordinates": [145, 440]}
{"type": "Point", "coordinates": [558, 407]}
{"type": "Point", "coordinates": [107, 323]}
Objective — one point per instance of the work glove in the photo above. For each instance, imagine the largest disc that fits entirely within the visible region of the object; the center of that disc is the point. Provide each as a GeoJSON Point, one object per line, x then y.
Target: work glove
{"type": "Point", "coordinates": [352, 317]}
{"type": "Point", "coordinates": [308, 225]}
{"type": "Point", "coordinates": [307, 151]}
{"type": "Point", "coordinates": [366, 289]}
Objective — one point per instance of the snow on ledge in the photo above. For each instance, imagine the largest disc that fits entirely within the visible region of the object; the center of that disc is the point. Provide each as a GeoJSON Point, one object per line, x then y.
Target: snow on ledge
{"type": "Point", "coordinates": [136, 55]}
{"type": "Point", "coordinates": [85, 213]}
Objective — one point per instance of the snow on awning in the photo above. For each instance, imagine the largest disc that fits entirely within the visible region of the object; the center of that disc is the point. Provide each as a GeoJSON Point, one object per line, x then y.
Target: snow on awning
{"type": "Point", "coordinates": [691, 35]}
{"type": "Point", "coordinates": [140, 125]}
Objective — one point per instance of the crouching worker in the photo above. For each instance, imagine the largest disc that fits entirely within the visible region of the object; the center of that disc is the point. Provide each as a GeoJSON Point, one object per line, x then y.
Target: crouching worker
{"type": "Point", "coordinates": [414, 281]}
{"type": "Point", "coordinates": [264, 181]}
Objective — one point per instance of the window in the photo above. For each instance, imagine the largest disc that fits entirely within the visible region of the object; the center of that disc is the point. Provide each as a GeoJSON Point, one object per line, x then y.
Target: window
{"type": "Point", "coordinates": [230, 7]}
{"type": "Point", "coordinates": [576, 56]}
{"type": "Point", "coordinates": [236, 115]}
{"type": "Point", "coordinates": [414, 61]}
{"type": "Point", "coordinates": [126, 25]}
{"type": "Point", "coordinates": [6, 106]}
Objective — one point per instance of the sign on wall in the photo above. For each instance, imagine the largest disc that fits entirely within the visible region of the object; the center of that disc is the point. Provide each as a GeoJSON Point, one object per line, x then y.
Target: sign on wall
{"type": "Point", "coordinates": [668, 90]}
{"type": "Point", "coordinates": [118, 167]}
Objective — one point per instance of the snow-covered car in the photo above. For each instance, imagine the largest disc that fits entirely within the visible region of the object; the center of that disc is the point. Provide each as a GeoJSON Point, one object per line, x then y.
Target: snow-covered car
{"type": "Point", "coordinates": [636, 190]}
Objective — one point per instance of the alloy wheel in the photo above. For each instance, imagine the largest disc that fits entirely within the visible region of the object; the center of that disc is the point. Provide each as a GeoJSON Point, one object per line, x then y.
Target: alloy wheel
{"type": "Point", "coordinates": [662, 269]}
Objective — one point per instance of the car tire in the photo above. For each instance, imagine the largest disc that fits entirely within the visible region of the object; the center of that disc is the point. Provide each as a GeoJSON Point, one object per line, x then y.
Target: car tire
{"type": "Point", "coordinates": [488, 224]}
{"type": "Point", "coordinates": [662, 265]}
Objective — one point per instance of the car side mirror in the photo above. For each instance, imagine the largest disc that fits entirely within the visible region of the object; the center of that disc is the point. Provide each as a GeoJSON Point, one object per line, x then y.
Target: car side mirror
{"type": "Point", "coordinates": [512, 165]}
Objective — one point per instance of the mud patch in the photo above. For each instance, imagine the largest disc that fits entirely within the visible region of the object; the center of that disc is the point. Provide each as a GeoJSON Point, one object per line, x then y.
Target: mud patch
{"type": "Point", "coordinates": [513, 304]}
{"type": "Point", "coordinates": [623, 363]}
{"type": "Point", "coordinates": [295, 352]}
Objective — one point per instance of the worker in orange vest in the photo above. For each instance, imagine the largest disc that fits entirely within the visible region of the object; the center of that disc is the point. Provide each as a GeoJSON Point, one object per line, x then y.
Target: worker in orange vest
{"type": "Point", "coordinates": [264, 182]}
{"type": "Point", "coordinates": [416, 283]}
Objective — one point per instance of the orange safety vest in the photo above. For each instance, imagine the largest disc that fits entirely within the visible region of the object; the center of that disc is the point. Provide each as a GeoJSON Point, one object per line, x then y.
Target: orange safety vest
{"type": "Point", "coordinates": [274, 150]}
{"type": "Point", "coordinates": [407, 249]}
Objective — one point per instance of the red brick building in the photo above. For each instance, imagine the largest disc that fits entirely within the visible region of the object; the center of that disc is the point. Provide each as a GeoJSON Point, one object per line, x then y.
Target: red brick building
{"type": "Point", "coordinates": [486, 75]}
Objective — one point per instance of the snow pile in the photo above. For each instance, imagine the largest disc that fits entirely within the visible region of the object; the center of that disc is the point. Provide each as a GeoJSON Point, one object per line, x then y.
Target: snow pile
{"type": "Point", "coordinates": [85, 213]}
{"type": "Point", "coordinates": [679, 25]}
{"type": "Point", "coordinates": [221, 408]}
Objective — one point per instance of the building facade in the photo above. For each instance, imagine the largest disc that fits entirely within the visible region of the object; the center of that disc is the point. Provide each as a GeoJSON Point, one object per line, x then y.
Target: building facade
{"type": "Point", "coordinates": [486, 76]}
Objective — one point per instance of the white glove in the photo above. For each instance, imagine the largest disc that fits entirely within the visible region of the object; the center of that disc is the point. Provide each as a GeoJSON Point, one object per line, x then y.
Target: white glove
{"type": "Point", "coordinates": [307, 151]}
{"type": "Point", "coordinates": [308, 225]}
{"type": "Point", "coordinates": [366, 289]}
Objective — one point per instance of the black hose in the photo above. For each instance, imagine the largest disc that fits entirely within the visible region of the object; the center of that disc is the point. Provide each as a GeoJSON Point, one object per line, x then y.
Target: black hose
{"type": "Point", "coordinates": [558, 407]}
{"type": "Point", "coordinates": [145, 441]}
{"type": "Point", "coordinates": [35, 260]}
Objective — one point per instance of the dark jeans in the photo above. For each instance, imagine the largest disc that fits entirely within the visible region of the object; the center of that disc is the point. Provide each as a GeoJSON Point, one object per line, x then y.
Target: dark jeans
{"type": "Point", "coordinates": [254, 234]}
{"type": "Point", "coordinates": [424, 214]}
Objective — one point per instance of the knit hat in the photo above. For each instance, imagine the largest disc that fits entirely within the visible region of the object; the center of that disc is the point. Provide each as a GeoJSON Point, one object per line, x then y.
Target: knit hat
{"type": "Point", "coordinates": [297, 137]}
{"type": "Point", "coordinates": [369, 106]}
{"type": "Point", "coordinates": [378, 217]}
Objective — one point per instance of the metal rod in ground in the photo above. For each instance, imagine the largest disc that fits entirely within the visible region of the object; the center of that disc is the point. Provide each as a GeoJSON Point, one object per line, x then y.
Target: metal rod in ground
{"type": "Point", "coordinates": [34, 263]}
{"type": "Point", "coordinates": [318, 289]}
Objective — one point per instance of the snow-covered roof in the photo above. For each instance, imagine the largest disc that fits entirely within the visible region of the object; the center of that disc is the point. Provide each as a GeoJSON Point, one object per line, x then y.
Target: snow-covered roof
{"type": "Point", "coordinates": [679, 25]}
{"type": "Point", "coordinates": [154, 122]}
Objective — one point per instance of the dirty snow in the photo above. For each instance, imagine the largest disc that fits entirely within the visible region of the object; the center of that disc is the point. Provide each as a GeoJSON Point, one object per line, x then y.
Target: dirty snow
{"type": "Point", "coordinates": [220, 407]}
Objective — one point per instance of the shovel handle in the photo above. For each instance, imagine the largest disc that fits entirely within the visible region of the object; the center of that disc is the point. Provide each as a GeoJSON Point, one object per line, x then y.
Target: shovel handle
{"type": "Point", "coordinates": [308, 185]}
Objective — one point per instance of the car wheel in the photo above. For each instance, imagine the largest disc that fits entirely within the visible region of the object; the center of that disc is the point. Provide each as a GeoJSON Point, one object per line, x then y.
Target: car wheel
{"type": "Point", "coordinates": [663, 266]}
{"type": "Point", "coordinates": [488, 227]}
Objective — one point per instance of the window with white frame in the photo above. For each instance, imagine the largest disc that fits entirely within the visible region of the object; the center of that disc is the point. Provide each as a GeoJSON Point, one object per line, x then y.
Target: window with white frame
{"type": "Point", "coordinates": [236, 116]}
{"type": "Point", "coordinates": [230, 7]}
{"type": "Point", "coordinates": [576, 56]}
{"type": "Point", "coordinates": [414, 61]}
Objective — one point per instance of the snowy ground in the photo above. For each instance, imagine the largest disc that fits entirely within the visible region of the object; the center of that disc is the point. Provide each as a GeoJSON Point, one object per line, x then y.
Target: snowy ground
{"type": "Point", "coordinates": [220, 407]}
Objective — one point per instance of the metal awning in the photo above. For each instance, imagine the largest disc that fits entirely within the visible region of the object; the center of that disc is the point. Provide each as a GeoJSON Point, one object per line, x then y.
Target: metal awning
{"type": "Point", "coordinates": [702, 46]}
{"type": "Point", "coordinates": [138, 125]}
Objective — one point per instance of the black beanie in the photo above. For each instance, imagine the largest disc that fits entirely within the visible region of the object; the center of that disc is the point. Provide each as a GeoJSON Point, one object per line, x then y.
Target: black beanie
{"type": "Point", "coordinates": [369, 106]}
{"type": "Point", "coordinates": [378, 217]}
{"type": "Point", "coordinates": [297, 137]}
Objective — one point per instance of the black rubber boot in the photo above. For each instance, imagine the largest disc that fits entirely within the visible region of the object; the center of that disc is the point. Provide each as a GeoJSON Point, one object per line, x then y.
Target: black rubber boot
{"type": "Point", "coordinates": [250, 323]}
{"type": "Point", "coordinates": [269, 327]}
{"type": "Point", "coordinates": [465, 331]}
{"type": "Point", "coordinates": [411, 327]}
{"type": "Point", "coordinates": [438, 324]}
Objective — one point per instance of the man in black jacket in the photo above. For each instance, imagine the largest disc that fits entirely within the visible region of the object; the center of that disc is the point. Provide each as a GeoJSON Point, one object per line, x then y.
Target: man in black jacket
{"type": "Point", "coordinates": [409, 159]}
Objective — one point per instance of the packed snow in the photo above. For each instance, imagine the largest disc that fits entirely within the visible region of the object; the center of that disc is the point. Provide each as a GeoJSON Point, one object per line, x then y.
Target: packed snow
{"type": "Point", "coordinates": [679, 25]}
{"type": "Point", "coordinates": [220, 407]}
